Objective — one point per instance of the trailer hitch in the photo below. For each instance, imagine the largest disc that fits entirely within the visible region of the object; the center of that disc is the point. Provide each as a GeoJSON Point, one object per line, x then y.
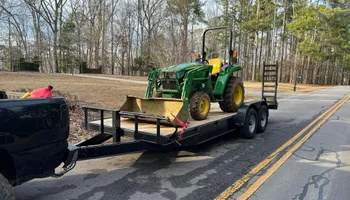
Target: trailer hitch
{"type": "Point", "coordinates": [70, 161]}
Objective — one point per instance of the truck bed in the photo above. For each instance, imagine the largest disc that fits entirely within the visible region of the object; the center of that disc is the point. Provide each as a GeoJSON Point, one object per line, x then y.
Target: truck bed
{"type": "Point", "coordinates": [151, 128]}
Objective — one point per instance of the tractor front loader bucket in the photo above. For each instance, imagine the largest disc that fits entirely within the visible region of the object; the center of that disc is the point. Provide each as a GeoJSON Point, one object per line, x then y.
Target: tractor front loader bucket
{"type": "Point", "coordinates": [166, 107]}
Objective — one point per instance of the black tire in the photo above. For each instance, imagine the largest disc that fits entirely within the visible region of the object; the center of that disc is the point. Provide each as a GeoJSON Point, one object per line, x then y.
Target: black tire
{"type": "Point", "coordinates": [263, 118]}
{"type": "Point", "coordinates": [249, 128]}
{"type": "Point", "coordinates": [6, 191]}
{"type": "Point", "coordinates": [229, 104]}
{"type": "Point", "coordinates": [195, 106]}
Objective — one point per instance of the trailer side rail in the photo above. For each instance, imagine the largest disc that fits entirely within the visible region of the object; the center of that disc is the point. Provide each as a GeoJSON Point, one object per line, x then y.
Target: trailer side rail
{"type": "Point", "coordinates": [116, 125]}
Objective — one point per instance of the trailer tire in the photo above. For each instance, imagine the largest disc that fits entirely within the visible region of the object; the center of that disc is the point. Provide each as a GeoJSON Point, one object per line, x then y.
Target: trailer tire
{"type": "Point", "coordinates": [6, 191]}
{"type": "Point", "coordinates": [199, 106]}
{"type": "Point", "coordinates": [263, 118]}
{"type": "Point", "coordinates": [249, 128]}
{"type": "Point", "coordinates": [233, 95]}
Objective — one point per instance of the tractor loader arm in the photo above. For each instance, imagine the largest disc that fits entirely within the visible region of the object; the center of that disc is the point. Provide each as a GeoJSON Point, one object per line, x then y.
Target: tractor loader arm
{"type": "Point", "coordinates": [152, 83]}
{"type": "Point", "coordinates": [194, 79]}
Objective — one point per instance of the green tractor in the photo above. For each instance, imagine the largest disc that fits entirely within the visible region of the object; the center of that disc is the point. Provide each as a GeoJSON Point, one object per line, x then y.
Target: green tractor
{"type": "Point", "coordinates": [187, 89]}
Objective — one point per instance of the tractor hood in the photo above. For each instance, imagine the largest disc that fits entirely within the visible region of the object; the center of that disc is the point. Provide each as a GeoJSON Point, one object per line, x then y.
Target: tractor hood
{"type": "Point", "coordinates": [182, 67]}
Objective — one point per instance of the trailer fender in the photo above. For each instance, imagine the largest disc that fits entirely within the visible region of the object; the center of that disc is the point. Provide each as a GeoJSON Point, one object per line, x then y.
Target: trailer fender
{"type": "Point", "coordinates": [243, 109]}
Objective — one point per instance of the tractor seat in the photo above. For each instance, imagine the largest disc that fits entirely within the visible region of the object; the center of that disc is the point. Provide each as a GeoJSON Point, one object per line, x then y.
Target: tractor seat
{"type": "Point", "coordinates": [217, 64]}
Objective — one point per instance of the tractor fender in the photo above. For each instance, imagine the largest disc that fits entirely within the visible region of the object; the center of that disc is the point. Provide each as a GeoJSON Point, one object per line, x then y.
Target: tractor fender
{"type": "Point", "coordinates": [223, 78]}
{"type": "Point", "coordinates": [243, 110]}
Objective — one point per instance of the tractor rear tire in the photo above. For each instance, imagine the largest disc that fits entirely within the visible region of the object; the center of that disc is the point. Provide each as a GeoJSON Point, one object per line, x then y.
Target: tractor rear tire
{"type": "Point", "coordinates": [6, 192]}
{"type": "Point", "coordinates": [233, 95]}
{"type": "Point", "coordinates": [199, 106]}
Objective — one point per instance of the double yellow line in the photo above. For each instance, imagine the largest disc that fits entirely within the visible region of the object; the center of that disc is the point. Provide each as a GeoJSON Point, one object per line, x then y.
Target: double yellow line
{"type": "Point", "coordinates": [253, 187]}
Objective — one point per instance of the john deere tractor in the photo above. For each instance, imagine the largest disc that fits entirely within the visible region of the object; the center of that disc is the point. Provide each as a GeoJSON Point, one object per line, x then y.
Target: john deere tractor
{"type": "Point", "coordinates": [187, 89]}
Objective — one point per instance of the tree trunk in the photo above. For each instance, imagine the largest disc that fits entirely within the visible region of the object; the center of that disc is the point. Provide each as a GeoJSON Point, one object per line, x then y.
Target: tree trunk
{"type": "Point", "coordinates": [9, 56]}
{"type": "Point", "coordinates": [267, 56]}
{"type": "Point", "coordinates": [138, 26]}
{"type": "Point", "coordinates": [315, 74]}
{"type": "Point", "coordinates": [38, 39]}
{"type": "Point", "coordinates": [129, 48]}
{"type": "Point", "coordinates": [342, 76]}
{"type": "Point", "coordinates": [103, 37]}
{"type": "Point", "coordinates": [255, 56]}
{"type": "Point", "coordinates": [307, 70]}
{"type": "Point", "coordinates": [184, 39]}
{"type": "Point", "coordinates": [49, 57]}
{"type": "Point", "coordinates": [123, 61]}
{"type": "Point", "coordinates": [280, 71]}
{"type": "Point", "coordinates": [80, 50]}
{"type": "Point", "coordinates": [256, 44]}
{"type": "Point", "coordinates": [294, 74]}
{"type": "Point", "coordinates": [90, 53]}
{"type": "Point", "coordinates": [97, 36]}
{"type": "Point", "coordinates": [260, 52]}
{"type": "Point", "coordinates": [112, 43]}
{"type": "Point", "coordinates": [60, 29]}
{"type": "Point", "coordinates": [332, 81]}
{"type": "Point", "coordinates": [302, 67]}
{"type": "Point", "coordinates": [55, 56]}
{"type": "Point", "coordinates": [326, 73]}
{"type": "Point", "coordinates": [248, 62]}
{"type": "Point", "coordinates": [97, 49]}
{"type": "Point", "coordinates": [274, 34]}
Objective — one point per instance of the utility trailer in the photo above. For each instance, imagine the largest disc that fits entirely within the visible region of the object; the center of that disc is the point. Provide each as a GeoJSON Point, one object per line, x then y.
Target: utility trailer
{"type": "Point", "coordinates": [128, 132]}
{"type": "Point", "coordinates": [175, 94]}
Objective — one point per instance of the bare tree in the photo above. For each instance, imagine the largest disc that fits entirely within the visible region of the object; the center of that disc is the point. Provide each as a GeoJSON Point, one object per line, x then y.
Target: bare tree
{"type": "Point", "coordinates": [51, 12]}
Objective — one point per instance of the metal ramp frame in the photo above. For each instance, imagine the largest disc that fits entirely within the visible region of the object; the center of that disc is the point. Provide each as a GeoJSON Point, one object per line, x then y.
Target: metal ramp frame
{"type": "Point", "coordinates": [270, 84]}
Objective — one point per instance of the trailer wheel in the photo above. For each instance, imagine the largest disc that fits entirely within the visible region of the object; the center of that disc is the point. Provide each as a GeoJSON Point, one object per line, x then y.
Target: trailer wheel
{"type": "Point", "coordinates": [249, 128]}
{"type": "Point", "coordinates": [263, 119]}
{"type": "Point", "coordinates": [199, 106]}
{"type": "Point", "coordinates": [233, 95]}
{"type": "Point", "coordinates": [6, 192]}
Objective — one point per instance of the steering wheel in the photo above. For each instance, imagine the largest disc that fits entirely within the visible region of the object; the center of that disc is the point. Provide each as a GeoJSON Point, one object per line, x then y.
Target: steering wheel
{"type": "Point", "coordinates": [202, 60]}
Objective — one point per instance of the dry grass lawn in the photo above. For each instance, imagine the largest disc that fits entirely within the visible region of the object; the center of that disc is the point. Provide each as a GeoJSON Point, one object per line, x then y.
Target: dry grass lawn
{"type": "Point", "coordinates": [95, 92]}
{"type": "Point", "coordinates": [254, 86]}
{"type": "Point", "coordinates": [100, 93]}
{"type": "Point", "coordinates": [106, 93]}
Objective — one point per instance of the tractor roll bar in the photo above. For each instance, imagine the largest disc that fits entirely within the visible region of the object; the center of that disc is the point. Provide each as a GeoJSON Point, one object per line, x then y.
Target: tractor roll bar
{"type": "Point", "coordinates": [230, 51]}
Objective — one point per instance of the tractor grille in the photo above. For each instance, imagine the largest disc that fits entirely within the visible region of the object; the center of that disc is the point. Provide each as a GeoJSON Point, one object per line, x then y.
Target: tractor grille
{"type": "Point", "coordinates": [169, 84]}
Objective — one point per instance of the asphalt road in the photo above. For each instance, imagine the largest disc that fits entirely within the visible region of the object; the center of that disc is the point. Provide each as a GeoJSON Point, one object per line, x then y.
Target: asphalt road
{"type": "Point", "coordinates": [320, 169]}
{"type": "Point", "coordinates": [205, 171]}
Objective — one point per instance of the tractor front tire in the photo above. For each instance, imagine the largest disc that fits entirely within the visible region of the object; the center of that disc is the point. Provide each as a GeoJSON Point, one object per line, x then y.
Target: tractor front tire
{"type": "Point", "coordinates": [199, 106]}
{"type": "Point", "coordinates": [233, 95]}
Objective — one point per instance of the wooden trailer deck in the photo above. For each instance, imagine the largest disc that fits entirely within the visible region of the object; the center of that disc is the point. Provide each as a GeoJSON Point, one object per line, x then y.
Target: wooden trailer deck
{"type": "Point", "coordinates": [151, 128]}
